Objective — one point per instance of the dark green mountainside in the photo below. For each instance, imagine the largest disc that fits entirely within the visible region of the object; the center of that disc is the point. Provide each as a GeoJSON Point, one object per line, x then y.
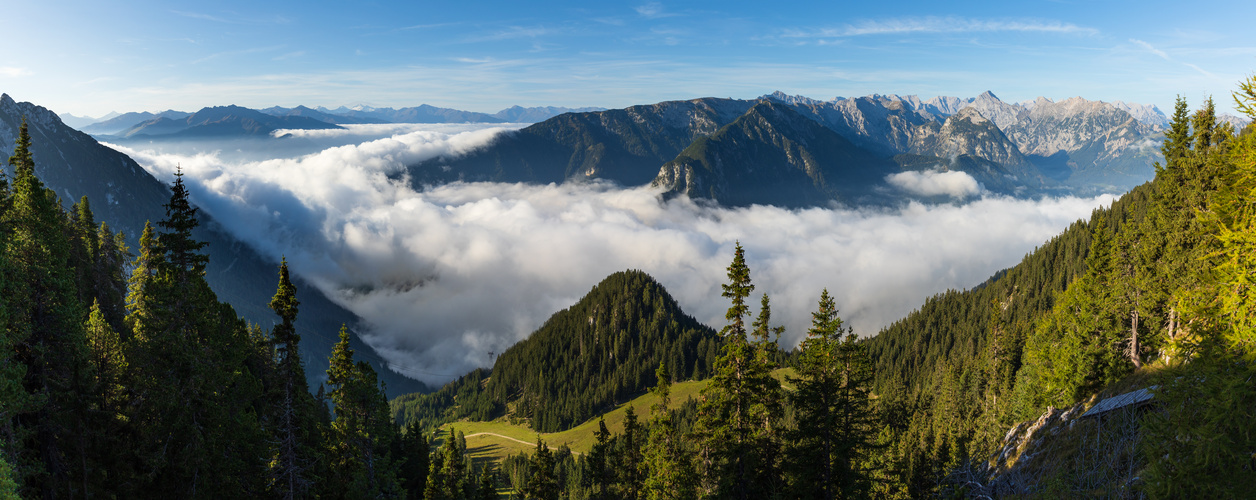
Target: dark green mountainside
{"type": "Point", "coordinates": [125, 195]}
{"type": "Point", "coordinates": [776, 156]}
{"type": "Point", "coordinates": [601, 351]}
{"type": "Point", "coordinates": [622, 145]}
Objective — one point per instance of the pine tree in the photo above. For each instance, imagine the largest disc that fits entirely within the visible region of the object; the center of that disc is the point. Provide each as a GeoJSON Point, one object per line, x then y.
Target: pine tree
{"type": "Point", "coordinates": [108, 275]}
{"type": "Point", "coordinates": [1235, 209]}
{"type": "Point", "coordinates": [47, 331]}
{"type": "Point", "coordinates": [362, 431]}
{"type": "Point", "coordinates": [833, 414]}
{"type": "Point", "coordinates": [487, 489]}
{"type": "Point", "coordinates": [630, 473]}
{"type": "Point", "coordinates": [598, 479]}
{"type": "Point", "coordinates": [194, 391]}
{"type": "Point", "coordinates": [667, 465]}
{"type": "Point", "coordinates": [294, 430]}
{"type": "Point", "coordinates": [740, 407]}
{"type": "Point", "coordinates": [543, 485]}
{"type": "Point", "coordinates": [179, 249]}
{"type": "Point", "coordinates": [411, 453]}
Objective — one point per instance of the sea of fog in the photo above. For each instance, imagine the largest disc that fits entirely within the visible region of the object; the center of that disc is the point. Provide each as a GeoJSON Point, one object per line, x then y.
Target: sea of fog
{"type": "Point", "coordinates": [448, 274]}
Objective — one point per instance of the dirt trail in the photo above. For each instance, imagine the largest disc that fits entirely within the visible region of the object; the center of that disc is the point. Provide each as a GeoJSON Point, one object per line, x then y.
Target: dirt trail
{"type": "Point", "coordinates": [573, 452]}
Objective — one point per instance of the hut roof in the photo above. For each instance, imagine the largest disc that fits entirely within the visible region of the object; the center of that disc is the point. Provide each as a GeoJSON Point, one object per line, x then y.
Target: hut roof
{"type": "Point", "coordinates": [1134, 398]}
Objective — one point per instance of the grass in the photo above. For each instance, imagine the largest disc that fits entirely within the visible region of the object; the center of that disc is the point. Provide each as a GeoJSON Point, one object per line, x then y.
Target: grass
{"type": "Point", "coordinates": [490, 445]}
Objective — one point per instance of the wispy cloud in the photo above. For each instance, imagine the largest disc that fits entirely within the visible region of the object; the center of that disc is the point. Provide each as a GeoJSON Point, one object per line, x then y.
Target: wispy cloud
{"type": "Point", "coordinates": [202, 16]}
{"type": "Point", "coordinates": [1164, 55]}
{"type": "Point", "coordinates": [511, 33]}
{"type": "Point", "coordinates": [925, 25]}
{"type": "Point", "coordinates": [290, 55]}
{"type": "Point", "coordinates": [425, 26]}
{"type": "Point", "coordinates": [253, 50]}
{"type": "Point", "coordinates": [653, 10]}
{"type": "Point", "coordinates": [1151, 48]}
{"type": "Point", "coordinates": [1200, 70]}
{"type": "Point", "coordinates": [15, 72]}
{"type": "Point", "coordinates": [232, 20]}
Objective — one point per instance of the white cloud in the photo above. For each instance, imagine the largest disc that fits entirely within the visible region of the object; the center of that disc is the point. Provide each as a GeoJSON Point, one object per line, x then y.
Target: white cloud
{"type": "Point", "coordinates": [14, 72]}
{"type": "Point", "coordinates": [448, 274]}
{"type": "Point", "coordinates": [1151, 49]}
{"type": "Point", "coordinates": [948, 24]}
{"type": "Point", "coordinates": [371, 131]}
{"type": "Point", "coordinates": [956, 184]}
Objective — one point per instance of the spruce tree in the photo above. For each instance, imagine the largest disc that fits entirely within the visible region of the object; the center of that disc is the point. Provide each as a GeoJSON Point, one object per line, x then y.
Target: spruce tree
{"type": "Point", "coordinates": [362, 431]}
{"type": "Point", "coordinates": [598, 479]}
{"type": "Point", "coordinates": [740, 407]}
{"type": "Point", "coordinates": [667, 465]}
{"type": "Point", "coordinates": [295, 429]}
{"type": "Point", "coordinates": [630, 473]}
{"type": "Point", "coordinates": [833, 414]}
{"type": "Point", "coordinates": [543, 485]}
{"type": "Point", "coordinates": [194, 391]}
{"type": "Point", "coordinates": [47, 331]}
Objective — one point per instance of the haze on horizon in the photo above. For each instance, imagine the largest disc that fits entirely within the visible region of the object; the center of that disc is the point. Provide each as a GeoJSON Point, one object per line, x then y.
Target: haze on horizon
{"type": "Point", "coordinates": [89, 58]}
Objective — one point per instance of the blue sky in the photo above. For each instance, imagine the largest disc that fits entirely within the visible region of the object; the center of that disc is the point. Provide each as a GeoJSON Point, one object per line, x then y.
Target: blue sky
{"type": "Point", "coordinates": [90, 58]}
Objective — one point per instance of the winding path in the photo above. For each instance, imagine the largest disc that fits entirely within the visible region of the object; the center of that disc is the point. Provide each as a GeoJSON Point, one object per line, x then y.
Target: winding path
{"type": "Point", "coordinates": [468, 436]}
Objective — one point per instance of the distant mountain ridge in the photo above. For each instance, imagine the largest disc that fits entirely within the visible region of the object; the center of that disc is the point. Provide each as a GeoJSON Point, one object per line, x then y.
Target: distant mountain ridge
{"type": "Point", "coordinates": [125, 121]}
{"type": "Point", "coordinates": [220, 121]}
{"type": "Point", "coordinates": [1074, 146]}
{"type": "Point", "coordinates": [223, 121]}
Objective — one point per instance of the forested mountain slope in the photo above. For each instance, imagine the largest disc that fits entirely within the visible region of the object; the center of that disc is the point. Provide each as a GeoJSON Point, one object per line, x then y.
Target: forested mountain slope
{"type": "Point", "coordinates": [1148, 292]}
{"type": "Point", "coordinates": [125, 195]}
{"type": "Point", "coordinates": [585, 359]}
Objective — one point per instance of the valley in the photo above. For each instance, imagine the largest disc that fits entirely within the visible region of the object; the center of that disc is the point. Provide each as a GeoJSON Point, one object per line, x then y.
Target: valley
{"type": "Point", "coordinates": [932, 392]}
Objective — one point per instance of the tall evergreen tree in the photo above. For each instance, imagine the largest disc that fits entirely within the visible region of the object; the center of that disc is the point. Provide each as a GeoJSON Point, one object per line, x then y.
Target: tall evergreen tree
{"type": "Point", "coordinates": [630, 472]}
{"type": "Point", "coordinates": [295, 425]}
{"type": "Point", "coordinates": [833, 414]}
{"type": "Point", "coordinates": [598, 479]}
{"type": "Point", "coordinates": [543, 485]}
{"type": "Point", "coordinates": [362, 431]}
{"type": "Point", "coordinates": [46, 328]}
{"type": "Point", "coordinates": [741, 405]}
{"type": "Point", "coordinates": [195, 396]}
{"type": "Point", "coordinates": [668, 466]}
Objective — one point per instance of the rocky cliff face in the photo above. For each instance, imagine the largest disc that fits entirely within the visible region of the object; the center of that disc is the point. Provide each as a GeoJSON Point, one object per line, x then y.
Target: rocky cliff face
{"type": "Point", "coordinates": [622, 145]}
{"type": "Point", "coordinates": [1073, 146]}
{"type": "Point", "coordinates": [774, 155]}
{"type": "Point", "coordinates": [967, 132]}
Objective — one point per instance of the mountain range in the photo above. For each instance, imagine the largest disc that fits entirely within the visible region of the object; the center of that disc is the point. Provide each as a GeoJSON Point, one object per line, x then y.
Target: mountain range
{"type": "Point", "coordinates": [743, 152]}
{"type": "Point", "coordinates": [124, 195]}
{"type": "Point", "coordinates": [237, 121]}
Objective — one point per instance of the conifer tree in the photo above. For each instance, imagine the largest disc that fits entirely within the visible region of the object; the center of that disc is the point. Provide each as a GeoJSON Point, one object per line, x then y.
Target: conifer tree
{"type": "Point", "coordinates": [362, 431]}
{"type": "Point", "coordinates": [598, 479]}
{"type": "Point", "coordinates": [411, 453]}
{"type": "Point", "coordinates": [668, 467]}
{"type": "Point", "coordinates": [108, 275]}
{"type": "Point", "coordinates": [487, 489]}
{"type": "Point", "coordinates": [630, 474]}
{"type": "Point", "coordinates": [833, 414]}
{"type": "Point", "coordinates": [295, 431]}
{"type": "Point", "coordinates": [47, 331]}
{"type": "Point", "coordinates": [1235, 209]}
{"type": "Point", "coordinates": [740, 407]}
{"type": "Point", "coordinates": [543, 485]}
{"type": "Point", "coordinates": [194, 392]}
